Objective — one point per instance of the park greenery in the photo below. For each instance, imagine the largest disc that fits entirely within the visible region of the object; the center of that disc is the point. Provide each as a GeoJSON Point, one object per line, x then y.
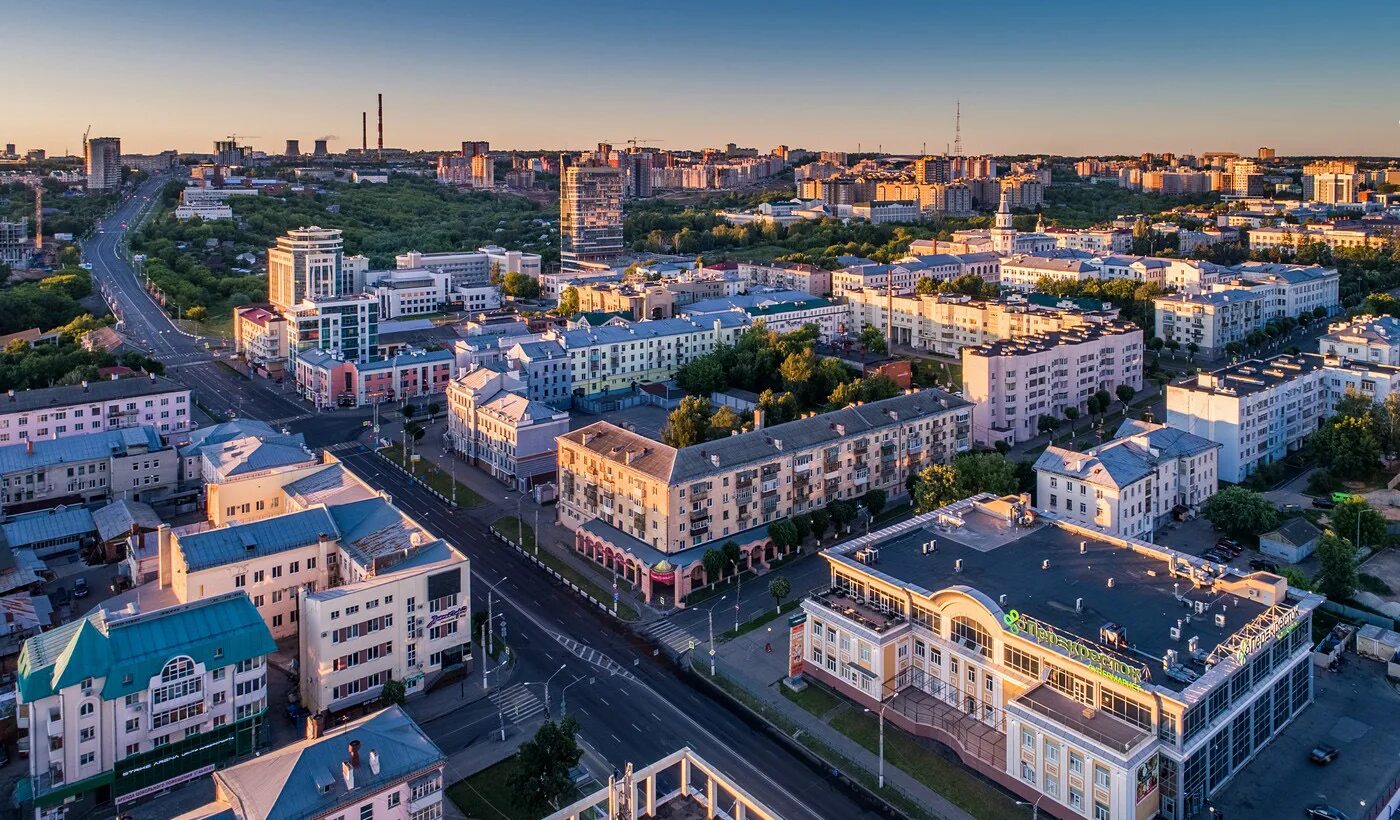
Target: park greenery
{"type": "Point", "coordinates": [1350, 445]}
{"type": "Point", "coordinates": [220, 264]}
{"type": "Point", "coordinates": [65, 210]}
{"type": "Point", "coordinates": [1241, 513]}
{"type": "Point", "coordinates": [783, 369]}
{"type": "Point", "coordinates": [970, 473]}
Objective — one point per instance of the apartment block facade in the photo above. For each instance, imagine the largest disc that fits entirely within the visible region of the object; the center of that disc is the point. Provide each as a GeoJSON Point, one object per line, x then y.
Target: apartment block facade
{"type": "Point", "coordinates": [1365, 338]}
{"type": "Point", "coordinates": [1131, 485]}
{"type": "Point", "coordinates": [306, 263]}
{"type": "Point", "coordinates": [590, 213]}
{"type": "Point", "coordinates": [947, 323]}
{"type": "Point", "coordinates": [1015, 382]}
{"type": "Point", "coordinates": [495, 426]}
{"type": "Point", "coordinates": [1210, 321]}
{"type": "Point", "coordinates": [611, 357]}
{"type": "Point", "coordinates": [132, 463]}
{"type": "Point", "coordinates": [662, 503]}
{"type": "Point", "coordinates": [91, 407]}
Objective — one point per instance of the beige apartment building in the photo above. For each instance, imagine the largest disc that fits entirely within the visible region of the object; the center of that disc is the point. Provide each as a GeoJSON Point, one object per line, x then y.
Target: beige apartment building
{"type": "Point", "coordinates": [947, 323]}
{"type": "Point", "coordinates": [1289, 237]}
{"type": "Point", "coordinates": [650, 511]}
{"type": "Point", "coordinates": [639, 300]}
{"type": "Point", "coordinates": [787, 276]}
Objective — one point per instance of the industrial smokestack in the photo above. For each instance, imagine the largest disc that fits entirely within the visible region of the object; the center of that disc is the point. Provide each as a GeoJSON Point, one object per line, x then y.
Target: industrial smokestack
{"type": "Point", "coordinates": [381, 126]}
{"type": "Point", "coordinates": [293, 148]}
{"type": "Point", "coordinates": [364, 132]}
{"type": "Point", "coordinates": [321, 148]}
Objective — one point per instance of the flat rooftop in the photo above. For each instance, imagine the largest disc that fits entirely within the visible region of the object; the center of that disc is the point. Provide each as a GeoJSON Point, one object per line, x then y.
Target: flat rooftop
{"type": "Point", "coordinates": [998, 558]}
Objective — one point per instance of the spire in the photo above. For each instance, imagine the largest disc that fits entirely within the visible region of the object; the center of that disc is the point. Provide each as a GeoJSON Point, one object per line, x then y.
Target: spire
{"type": "Point", "coordinates": [1004, 211]}
{"type": "Point", "coordinates": [1040, 223]}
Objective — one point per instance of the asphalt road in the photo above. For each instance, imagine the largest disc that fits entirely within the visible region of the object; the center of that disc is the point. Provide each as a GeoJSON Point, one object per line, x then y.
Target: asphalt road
{"type": "Point", "coordinates": [650, 712]}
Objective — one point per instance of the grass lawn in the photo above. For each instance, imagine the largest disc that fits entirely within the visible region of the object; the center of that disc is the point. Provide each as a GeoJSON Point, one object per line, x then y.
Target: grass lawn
{"type": "Point", "coordinates": [944, 776]}
{"type": "Point", "coordinates": [929, 372]}
{"type": "Point", "coordinates": [511, 527]}
{"type": "Point", "coordinates": [750, 625]}
{"type": "Point", "coordinates": [435, 477]}
{"type": "Point", "coordinates": [486, 795]}
{"type": "Point", "coordinates": [814, 699]}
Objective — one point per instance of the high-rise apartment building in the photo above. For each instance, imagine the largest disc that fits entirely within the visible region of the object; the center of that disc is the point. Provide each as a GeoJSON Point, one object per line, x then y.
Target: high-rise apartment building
{"type": "Point", "coordinates": [1334, 188]}
{"type": "Point", "coordinates": [103, 163]}
{"type": "Point", "coordinates": [636, 166]}
{"type": "Point", "coordinates": [590, 213]}
{"type": "Point", "coordinates": [307, 263]}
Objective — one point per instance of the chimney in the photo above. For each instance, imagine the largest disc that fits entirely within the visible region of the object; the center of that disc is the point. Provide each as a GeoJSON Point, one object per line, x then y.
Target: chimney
{"type": "Point", "coordinates": [758, 418]}
{"type": "Point", "coordinates": [165, 549]}
{"type": "Point", "coordinates": [354, 751]}
{"type": "Point", "coordinates": [374, 761]}
{"type": "Point", "coordinates": [381, 126]}
{"type": "Point", "coordinates": [85, 385]}
{"type": "Point", "coordinates": [364, 132]}
{"type": "Point", "coordinates": [313, 727]}
{"type": "Point", "coordinates": [348, 772]}
{"type": "Point", "coordinates": [114, 378]}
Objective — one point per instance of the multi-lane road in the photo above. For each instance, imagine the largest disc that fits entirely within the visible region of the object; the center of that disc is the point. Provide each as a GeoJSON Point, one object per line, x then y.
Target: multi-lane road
{"type": "Point", "coordinates": [631, 704]}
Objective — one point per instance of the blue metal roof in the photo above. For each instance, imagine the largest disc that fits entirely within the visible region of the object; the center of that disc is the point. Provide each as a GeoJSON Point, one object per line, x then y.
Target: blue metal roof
{"type": "Point", "coordinates": [47, 525]}
{"type": "Point", "coordinates": [75, 449]}
{"type": "Point", "coordinates": [239, 542]}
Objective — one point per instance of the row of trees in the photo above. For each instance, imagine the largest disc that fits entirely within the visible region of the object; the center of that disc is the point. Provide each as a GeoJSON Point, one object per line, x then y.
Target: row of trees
{"type": "Point", "coordinates": [969, 474]}
{"type": "Point", "coordinates": [1350, 445]}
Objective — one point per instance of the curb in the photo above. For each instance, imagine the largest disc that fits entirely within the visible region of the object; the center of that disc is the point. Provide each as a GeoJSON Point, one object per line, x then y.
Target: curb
{"type": "Point", "coordinates": [560, 578]}
{"type": "Point", "coordinates": [416, 480]}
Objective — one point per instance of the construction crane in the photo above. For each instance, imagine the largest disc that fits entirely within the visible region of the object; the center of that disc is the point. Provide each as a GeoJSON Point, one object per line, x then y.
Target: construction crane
{"type": "Point", "coordinates": [635, 141]}
{"type": "Point", "coordinates": [234, 137]}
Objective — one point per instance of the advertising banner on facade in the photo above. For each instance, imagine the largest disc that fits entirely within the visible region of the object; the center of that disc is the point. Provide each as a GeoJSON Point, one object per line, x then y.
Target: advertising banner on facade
{"type": "Point", "coordinates": [797, 633]}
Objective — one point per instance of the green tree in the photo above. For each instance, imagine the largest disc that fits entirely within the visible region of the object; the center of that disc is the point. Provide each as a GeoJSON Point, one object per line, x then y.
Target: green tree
{"type": "Point", "coordinates": [198, 313]}
{"type": "Point", "coordinates": [820, 522]}
{"type": "Point", "coordinates": [1125, 393]}
{"type": "Point", "coordinates": [1347, 446]}
{"type": "Point", "coordinates": [803, 523]}
{"type": "Point", "coordinates": [984, 473]}
{"type": "Point", "coordinates": [1047, 424]}
{"type": "Point", "coordinates": [798, 369]}
{"type": "Point", "coordinates": [393, 693]}
{"type": "Point", "coordinates": [408, 411]}
{"type": "Point", "coordinates": [1240, 512]}
{"type": "Point", "coordinates": [733, 554]}
{"type": "Point", "coordinates": [925, 286]}
{"type": "Point", "coordinates": [1105, 399]}
{"type": "Point", "coordinates": [568, 301]}
{"type": "Point", "coordinates": [688, 423]}
{"type": "Point", "coordinates": [541, 775]}
{"type": "Point", "coordinates": [1336, 558]}
{"type": "Point", "coordinates": [433, 409]}
{"type": "Point", "coordinates": [780, 587]}
{"type": "Point", "coordinates": [872, 340]}
{"type": "Point", "coordinates": [520, 286]}
{"type": "Point", "coordinates": [724, 422]}
{"type": "Point", "coordinates": [1071, 415]}
{"type": "Point", "coordinates": [842, 512]}
{"type": "Point", "coordinates": [1382, 304]}
{"type": "Point", "coordinates": [714, 562]}
{"type": "Point", "coordinates": [705, 375]}
{"type": "Point", "coordinates": [1356, 515]}
{"type": "Point", "coordinates": [934, 486]}
{"type": "Point", "coordinates": [874, 501]}
{"type": "Point", "coordinates": [783, 535]}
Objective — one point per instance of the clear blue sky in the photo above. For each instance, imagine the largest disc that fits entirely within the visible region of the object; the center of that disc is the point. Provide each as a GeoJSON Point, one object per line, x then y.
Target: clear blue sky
{"type": "Point", "coordinates": [1070, 77]}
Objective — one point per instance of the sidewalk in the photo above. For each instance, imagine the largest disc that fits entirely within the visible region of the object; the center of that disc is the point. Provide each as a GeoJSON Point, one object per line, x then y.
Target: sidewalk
{"type": "Point", "coordinates": [501, 500]}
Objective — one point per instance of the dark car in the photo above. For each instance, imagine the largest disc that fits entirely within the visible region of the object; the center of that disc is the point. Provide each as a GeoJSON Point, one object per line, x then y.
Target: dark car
{"type": "Point", "coordinates": [1324, 503]}
{"type": "Point", "coordinates": [1263, 565]}
{"type": "Point", "coordinates": [1322, 811]}
{"type": "Point", "coordinates": [80, 588]}
{"type": "Point", "coordinates": [1218, 555]}
{"type": "Point", "coordinates": [1323, 754]}
{"type": "Point", "coordinates": [1229, 544]}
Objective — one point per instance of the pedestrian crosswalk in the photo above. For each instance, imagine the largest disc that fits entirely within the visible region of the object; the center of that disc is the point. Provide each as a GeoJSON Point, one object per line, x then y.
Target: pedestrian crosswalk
{"type": "Point", "coordinates": [343, 446]}
{"type": "Point", "coordinates": [593, 656]}
{"type": "Point", "coordinates": [668, 633]}
{"type": "Point", "coordinates": [517, 703]}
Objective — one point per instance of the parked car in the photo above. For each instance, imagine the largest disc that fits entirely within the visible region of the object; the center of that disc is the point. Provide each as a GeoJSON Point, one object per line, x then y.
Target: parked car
{"type": "Point", "coordinates": [1229, 544]}
{"type": "Point", "coordinates": [59, 596]}
{"type": "Point", "coordinates": [1324, 503]}
{"type": "Point", "coordinates": [1322, 754]}
{"type": "Point", "coordinates": [1263, 565]}
{"type": "Point", "coordinates": [80, 588]}
{"type": "Point", "coordinates": [1322, 811]}
{"type": "Point", "coordinates": [1218, 555]}
{"type": "Point", "coordinates": [1342, 498]}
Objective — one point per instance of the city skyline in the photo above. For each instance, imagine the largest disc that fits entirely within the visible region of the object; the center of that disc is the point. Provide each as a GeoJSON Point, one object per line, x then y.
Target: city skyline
{"type": "Point", "coordinates": [1071, 80]}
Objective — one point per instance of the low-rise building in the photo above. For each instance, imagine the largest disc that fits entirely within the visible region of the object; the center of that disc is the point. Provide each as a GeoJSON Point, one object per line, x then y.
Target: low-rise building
{"type": "Point", "coordinates": [478, 298]}
{"type": "Point", "coordinates": [243, 477]}
{"type": "Point", "coordinates": [330, 381]}
{"type": "Point", "coordinates": [1337, 236]}
{"type": "Point", "coordinates": [1014, 382]}
{"type": "Point", "coordinates": [409, 292]}
{"type": "Point", "coordinates": [130, 463]}
{"type": "Point", "coordinates": [124, 703]}
{"type": "Point", "coordinates": [1098, 241]}
{"type": "Point", "coordinates": [1132, 485]}
{"type": "Point", "coordinates": [1210, 321]}
{"type": "Point", "coordinates": [780, 311]}
{"type": "Point", "coordinates": [380, 766]}
{"type": "Point", "coordinates": [473, 268]}
{"type": "Point", "coordinates": [1366, 338]}
{"type": "Point", "coordinates": [616, 356]}
{"type": "Point", "coordinates": [881, 212]}
{"type": "Point", "coordinates": [1025, 272]}
{"type": "Point", "coordinates": [80, 409]}
{"type": "Point", "coordinates": [260, 334]}
{"type": "Point", "coordinates": [1058, 661]}
{"type": "Point", "coordinates": [640, 300]}
{"type": "Point", "coordinates": [635, 503]}
{"type": "Point", "coordinates": [496, 427]}
{"type": "Point", "coordinates": [854, 277]}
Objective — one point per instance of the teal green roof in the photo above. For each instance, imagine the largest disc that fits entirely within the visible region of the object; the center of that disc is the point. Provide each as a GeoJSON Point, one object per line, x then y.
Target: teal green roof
{"type": "Point", "coordinates": [598, 317]}
{"type": "Point", "coordinates": [787, 307]}
{"type": "Point", "coordinates": [126, 651]}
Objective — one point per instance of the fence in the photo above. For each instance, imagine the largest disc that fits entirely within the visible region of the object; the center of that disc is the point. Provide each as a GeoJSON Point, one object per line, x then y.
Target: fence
{"type": "Point", "coordinates": [1362, 615]}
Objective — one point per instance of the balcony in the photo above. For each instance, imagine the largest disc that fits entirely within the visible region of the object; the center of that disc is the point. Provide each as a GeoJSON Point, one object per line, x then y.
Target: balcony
{"type": "Point", "coordinates": [771, 485]}
{"type": "Point", "coordinates": [863, 475]}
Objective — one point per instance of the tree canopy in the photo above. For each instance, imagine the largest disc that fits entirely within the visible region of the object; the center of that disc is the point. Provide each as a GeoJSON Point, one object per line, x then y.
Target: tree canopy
{"type": "Point", "coordinates": [542, 774]}
{"type": "Point", "coordinates": [1240, 512]}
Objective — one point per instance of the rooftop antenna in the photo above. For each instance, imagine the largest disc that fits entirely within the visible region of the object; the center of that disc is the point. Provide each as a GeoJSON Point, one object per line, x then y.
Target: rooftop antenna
{"type": "Point", "coordinates": [925, 149]}
{"type": "Point", "coordinates": [957, 130]}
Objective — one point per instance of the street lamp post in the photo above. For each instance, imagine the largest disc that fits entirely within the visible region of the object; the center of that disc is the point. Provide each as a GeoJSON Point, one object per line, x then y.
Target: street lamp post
{"type": "Point", "coordinates": [738, 592]}
{"type": "Point", "coordinates": [561, 668]}
{"type": "Point", "coordinates": [564, 695]}
{"type": "Point", "coordinates": [1035, 807]}
{"type": "Point", "coordinates": [710, 616]}
{"type": "Point", "coordinates": [883, 707]}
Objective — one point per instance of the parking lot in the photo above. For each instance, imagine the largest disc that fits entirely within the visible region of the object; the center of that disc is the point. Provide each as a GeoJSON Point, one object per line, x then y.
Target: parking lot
{"type": "Point", "coordinates": [1357, 711]}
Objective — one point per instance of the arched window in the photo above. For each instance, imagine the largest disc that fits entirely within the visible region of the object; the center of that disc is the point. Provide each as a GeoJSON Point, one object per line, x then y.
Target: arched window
{"type": "Point", "coordinates": [85, 709]}
{"type": "Point", "coordinates": [970, 634]}
{"type": "Point", "coordinates": [177, 668]}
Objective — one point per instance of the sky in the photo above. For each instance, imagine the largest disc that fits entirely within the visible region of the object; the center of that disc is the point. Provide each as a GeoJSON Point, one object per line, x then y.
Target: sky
{"type": "Point", "coordinates": [1068, 77]}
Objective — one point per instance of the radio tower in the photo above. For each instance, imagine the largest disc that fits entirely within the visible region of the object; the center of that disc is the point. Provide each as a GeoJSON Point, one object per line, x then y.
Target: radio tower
{"type": "Point", "coordinates": [957, 131]}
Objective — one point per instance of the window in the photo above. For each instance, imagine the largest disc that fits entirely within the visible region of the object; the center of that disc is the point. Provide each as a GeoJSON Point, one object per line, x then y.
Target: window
{"type": "Point", "coordinates": [1100, 811]}
{"type": "Point", "coordinates": [87, 733]}
{"type": "Point", "coordinates": [367, 811]}
{"type": "Point", "coordinates": [1027, 739]}
{"type": "Point", "coordinates": [1100, 776]}
{"type": "Point", "coordinates": [1076, 799]}
{"type": "Point", "coordinates": [87, 758]}
{"type": "Point", "coordinates": [133, 724]}
{"type": "Point", "coordinates": [393, 799]}
{"type": "Point", "coordinates": [1052, 752]}
{"type": "Point", "coordinates": [1027, 772]}
{"type": "Point", "coordinates": [85, 709]}
{"type": "Point", "coordinates": [1076, 763]}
